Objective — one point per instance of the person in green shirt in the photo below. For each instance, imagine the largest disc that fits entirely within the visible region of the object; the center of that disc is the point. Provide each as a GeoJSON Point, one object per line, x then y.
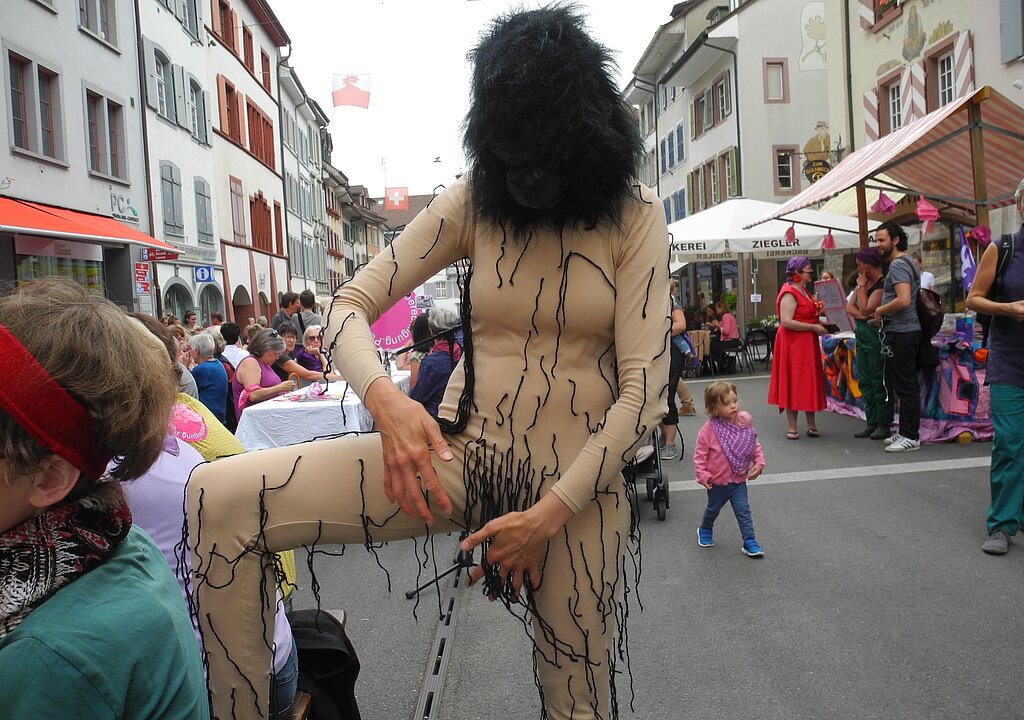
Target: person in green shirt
{"type": "Point", "coordinates": [91, 619]}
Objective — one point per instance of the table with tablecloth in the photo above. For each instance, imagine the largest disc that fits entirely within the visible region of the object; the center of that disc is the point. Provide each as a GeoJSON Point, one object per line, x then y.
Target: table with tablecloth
{"type": "Point", "coordinates": [954, 397]}
{"type": "Point", "coordinates": [301, 416]}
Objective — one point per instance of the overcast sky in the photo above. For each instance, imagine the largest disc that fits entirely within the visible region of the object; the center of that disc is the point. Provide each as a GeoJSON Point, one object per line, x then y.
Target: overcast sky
{"type": "Point", "coordinates": [415, 51]}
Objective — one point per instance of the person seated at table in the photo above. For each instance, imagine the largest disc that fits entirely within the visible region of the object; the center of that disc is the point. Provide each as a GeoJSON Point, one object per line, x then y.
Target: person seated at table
{"type": "Point", "coordinates": [692, 319]}
{"type": "Point", "coordinates": [437, 365]}
{"type": "Point", "coordinates": [211, 378]}
{"type": "Point", "coordinates": [410, 360]}
{"type": "Point", "coordinates": [309, 355]}
{"type": "Point", "coordinates": [255, 379]}
{"type": "Point", "coordinates": [91, 621]}
{"type": "Point", "coordinates": [286, 366]}
{"type": "Point", "coordinates": [729, 337]}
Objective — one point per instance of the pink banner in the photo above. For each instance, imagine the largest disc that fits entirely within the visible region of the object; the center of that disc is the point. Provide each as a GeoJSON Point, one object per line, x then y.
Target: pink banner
{"type": "Point", "coordinates": [391, 331]}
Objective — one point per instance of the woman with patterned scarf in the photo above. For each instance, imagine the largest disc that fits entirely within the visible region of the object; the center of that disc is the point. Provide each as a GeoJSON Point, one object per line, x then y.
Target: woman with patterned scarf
{"type": "Point", "coordinates": [91, 620]}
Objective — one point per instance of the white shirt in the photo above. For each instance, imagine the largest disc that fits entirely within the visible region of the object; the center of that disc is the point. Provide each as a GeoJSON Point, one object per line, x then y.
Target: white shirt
{"type": "Point", "coordinates": [927, 280]}
{"type": "Point", "coordinates": [235, 355]}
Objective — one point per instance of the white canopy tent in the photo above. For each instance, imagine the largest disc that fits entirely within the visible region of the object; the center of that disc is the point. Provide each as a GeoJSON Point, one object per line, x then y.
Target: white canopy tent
{"type": "Point", "coordinates": [719, 230]}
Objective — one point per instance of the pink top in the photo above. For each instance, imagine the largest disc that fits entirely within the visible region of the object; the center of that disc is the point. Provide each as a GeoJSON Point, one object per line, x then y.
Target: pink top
{"type": "Point", "coordinates": [730, 331]}
{"type": "Point", "coordinates": [710, 462]}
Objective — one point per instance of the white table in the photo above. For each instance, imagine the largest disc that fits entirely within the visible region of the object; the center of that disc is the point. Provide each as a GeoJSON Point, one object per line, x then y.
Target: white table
{"type": "Point", "coordinates": [286, 420]}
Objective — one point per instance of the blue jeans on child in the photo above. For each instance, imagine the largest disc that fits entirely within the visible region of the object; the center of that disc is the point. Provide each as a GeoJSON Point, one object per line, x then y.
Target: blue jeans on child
{"type": "Point", "coordinates": [736, 493]}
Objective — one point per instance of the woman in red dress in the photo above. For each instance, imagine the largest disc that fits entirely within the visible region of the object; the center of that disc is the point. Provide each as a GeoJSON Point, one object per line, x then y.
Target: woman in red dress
{"type": "Point", "coordinates": [797, 381]}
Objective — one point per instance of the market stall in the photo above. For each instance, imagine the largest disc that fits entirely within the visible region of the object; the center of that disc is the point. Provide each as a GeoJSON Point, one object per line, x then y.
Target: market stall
{"type": "Point", "coordinates": [954, 398]}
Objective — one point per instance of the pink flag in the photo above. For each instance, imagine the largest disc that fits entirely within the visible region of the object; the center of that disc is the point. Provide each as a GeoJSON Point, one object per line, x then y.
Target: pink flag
{"type": "Point", "coordinates": [396, 198]}
{"type": "Point", "coordinates": [351, 90]}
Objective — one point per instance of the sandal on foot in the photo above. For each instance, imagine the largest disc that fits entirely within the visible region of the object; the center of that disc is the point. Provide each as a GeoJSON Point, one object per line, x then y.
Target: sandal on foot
{"type": "Point", "coordinates": [792, 435]}
{"type": "Point", "coordinates": [813, 432]}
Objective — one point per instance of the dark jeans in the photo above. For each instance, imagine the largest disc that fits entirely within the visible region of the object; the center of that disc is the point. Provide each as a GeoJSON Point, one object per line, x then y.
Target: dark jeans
{"type": "Point", "coordinates": [283, 686]}
{"type": "Point", "coordinates": [899, 353]}
{"type": "Point", "coordinates": [736, 493]}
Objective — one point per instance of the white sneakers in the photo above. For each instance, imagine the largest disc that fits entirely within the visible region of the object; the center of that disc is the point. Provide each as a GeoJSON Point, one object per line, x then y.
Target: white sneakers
{"type": "Point", "coordinates": [898, 443]}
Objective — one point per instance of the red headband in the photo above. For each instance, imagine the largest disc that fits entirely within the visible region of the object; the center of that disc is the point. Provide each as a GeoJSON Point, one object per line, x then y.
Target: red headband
{"type": "Point", "coordinates": [46, 411]}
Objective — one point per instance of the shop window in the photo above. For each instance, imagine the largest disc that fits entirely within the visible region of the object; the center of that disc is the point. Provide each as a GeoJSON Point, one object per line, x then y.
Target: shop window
{"type": "Point", "coordinates": [35, 258]}
{"type": "Point", "coordinates": [170, 195]}
{"type": "Point", "coordinates": [36, 116]}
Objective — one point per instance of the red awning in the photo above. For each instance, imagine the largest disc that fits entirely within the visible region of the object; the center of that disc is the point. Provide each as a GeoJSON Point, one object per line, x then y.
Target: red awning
{"type": "Point", "coordinates": [29, 218]}
{"type": "Point", "coordinates": [932, 157]}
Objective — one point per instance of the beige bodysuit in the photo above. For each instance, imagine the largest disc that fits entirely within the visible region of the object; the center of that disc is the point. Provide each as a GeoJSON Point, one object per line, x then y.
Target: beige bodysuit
{"type": "Point", "coordinates": [569, 353]}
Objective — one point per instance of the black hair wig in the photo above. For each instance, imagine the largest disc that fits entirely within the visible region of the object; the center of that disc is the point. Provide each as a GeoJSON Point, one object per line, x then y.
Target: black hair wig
{"type": "Point", "coordinates": [549, 140]}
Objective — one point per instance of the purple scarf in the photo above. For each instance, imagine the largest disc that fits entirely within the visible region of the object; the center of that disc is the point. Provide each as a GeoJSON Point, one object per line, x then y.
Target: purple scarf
{"type": "Point", "coordinates": [738, 444]}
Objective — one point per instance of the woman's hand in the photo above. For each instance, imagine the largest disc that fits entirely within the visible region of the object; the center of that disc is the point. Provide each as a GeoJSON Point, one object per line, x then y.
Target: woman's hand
{"type": "Point", "coordinates": [755, 472]}
{"type": "Point", "coordinates": [518, 541]}
{"type": "Point", "coordinates": [284, 387]}
{"type": "Point", "coordinates": [407, 434]}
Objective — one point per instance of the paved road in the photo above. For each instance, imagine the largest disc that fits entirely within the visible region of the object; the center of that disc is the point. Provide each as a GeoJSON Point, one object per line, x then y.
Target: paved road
{"type": "Point", "coordinates": [874, 599]}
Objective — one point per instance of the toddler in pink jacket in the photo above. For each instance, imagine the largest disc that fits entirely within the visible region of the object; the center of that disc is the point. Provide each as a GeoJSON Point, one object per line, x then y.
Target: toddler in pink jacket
{"type": "Point", "coordinates": [727, 455]}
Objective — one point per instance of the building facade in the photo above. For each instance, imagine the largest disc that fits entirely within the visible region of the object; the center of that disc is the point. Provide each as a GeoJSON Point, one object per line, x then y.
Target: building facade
{"type": "Point", "coordinates": [302, 122]}
{"type": "Point", "coordinates": [178, 111]}
{"type": "Point", "coordinates": [243, 41]}
{"type": "Point", "coordinates": [339, 228]}
{"type": "Point", "coordinates": [71, 110]}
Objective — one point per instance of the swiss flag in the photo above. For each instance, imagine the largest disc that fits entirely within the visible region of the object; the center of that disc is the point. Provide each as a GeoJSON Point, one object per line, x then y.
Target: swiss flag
{"type": "Point", "coordinates": [396, 198]}
{"type": "Point", "coordinates": [351, 90]}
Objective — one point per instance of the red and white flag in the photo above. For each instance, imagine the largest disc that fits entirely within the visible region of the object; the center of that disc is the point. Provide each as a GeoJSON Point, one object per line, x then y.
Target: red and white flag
{"type": "Point", "coordinates": [396, 198]}
{"type": "Point", "coordinates": [351, 90]}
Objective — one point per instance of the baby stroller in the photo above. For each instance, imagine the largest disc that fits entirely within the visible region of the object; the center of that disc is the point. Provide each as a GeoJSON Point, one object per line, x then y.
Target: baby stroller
{"type": "Point", "coordinates": [646, 467]}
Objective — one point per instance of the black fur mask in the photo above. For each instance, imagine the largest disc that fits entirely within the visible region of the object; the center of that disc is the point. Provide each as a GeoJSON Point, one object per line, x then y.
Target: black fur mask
{"type": "Point", "coordinates": [549, 140]}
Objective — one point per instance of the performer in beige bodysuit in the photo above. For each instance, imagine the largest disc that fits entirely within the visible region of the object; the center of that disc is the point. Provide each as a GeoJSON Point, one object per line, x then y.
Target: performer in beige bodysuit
{"type": "Point", "coordinates": [564, 374]}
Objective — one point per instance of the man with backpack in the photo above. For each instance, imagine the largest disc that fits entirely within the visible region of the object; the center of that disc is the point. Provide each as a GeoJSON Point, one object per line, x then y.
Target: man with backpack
{"type": "Point", "coordinates": [901, 333]}
{"type": "Point", "coordinates": [998, 291]}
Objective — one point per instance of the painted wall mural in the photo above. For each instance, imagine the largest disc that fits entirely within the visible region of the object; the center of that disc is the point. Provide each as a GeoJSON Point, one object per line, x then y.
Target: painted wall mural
{"type": "Point", "coordinates": [921, 25]}
{"type": "Point", "coordinates": [812, 23]}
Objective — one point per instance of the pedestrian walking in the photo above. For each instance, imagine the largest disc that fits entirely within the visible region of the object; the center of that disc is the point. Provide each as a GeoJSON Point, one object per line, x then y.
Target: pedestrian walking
{"type": "Point", "coordinates": [901, 334]}
{"type": "Point", "coordinates": [998, 291]}
{"type": "Point", "coordinates": [727, 455]}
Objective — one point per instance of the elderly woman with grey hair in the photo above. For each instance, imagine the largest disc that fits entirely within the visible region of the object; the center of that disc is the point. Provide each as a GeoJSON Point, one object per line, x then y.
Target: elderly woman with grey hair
{"type": "Point", "coordinates": [255, 379]}
{"type": "Point", "coordinates": [437, 365]}
{"type": "Point", "coordinates": [211, 378]}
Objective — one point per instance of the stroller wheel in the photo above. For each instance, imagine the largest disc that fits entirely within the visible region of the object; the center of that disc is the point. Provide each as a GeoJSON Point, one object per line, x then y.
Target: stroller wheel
{"type": "Point", "coordinates": [660, 506]}
{"type": "Point", "coordinates": [650, 489]}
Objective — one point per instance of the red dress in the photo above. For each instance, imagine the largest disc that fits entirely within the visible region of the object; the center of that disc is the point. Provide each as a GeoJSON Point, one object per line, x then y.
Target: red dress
{"type": "Point", "coordinates": [798, 381]}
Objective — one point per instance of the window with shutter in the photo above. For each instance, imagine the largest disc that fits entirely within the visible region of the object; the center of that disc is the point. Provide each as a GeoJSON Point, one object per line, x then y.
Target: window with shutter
{"type": "Point", "coordinates": [671, 152]}
{"type": "Point", "coordinates": [667, 204]}
{"type": "Point", "coordinates": [680, 156]}
{"type": "Point", "coordinates": [237, 210]}
{"type": "Point", "coordinates": [693, 120]}
{"type": "Point", "coordinates": [204, 211]}
{"type": "Point", "coordinates": [732, 174]}
{"type": "Point", "coordinates": [664, 158]}
{"type": "Point", "coordinates": [709, 114]}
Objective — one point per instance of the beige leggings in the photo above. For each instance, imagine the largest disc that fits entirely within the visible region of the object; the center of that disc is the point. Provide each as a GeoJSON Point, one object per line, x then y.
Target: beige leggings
{"type": "Point", "coordinates": [245, 507]}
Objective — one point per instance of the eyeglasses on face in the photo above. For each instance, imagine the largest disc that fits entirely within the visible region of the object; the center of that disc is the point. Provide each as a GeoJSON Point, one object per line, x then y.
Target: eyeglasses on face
{"type": "Point", "coordinates": [807, 271]}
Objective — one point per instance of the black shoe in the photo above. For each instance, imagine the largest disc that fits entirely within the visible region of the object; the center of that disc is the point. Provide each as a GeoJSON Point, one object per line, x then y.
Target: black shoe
{"type": "Point", "coordinates": [866, 432]}
{"type": "Point", "coordinates": [881, 432]}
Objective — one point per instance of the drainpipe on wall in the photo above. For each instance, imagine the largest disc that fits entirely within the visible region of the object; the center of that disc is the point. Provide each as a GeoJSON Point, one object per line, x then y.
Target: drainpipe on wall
{"type": "Point", "coordinates": [849, 76]}
{"type": "Point", "coordinates": [141, 59]}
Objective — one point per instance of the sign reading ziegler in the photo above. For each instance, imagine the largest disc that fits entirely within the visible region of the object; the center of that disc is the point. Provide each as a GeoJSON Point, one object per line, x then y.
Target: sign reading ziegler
{"type": "Point", "coordinates": [775, 243]}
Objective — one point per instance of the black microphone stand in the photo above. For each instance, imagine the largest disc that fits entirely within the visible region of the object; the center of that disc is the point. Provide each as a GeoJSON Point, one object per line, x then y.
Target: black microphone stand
{"type": "Point", "coordinates": [463, 560]}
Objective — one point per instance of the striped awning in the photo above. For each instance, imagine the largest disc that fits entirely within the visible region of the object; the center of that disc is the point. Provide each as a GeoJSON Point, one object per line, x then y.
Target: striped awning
{"type": "Point", "coordinates": [932, 157]}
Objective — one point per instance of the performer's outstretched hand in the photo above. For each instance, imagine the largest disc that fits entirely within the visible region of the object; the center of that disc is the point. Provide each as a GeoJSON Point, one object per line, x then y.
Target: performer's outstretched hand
{"type": "Point", "coordinates": [519, 541]}
{"type": "Point", "coordinates": [408, 433]}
